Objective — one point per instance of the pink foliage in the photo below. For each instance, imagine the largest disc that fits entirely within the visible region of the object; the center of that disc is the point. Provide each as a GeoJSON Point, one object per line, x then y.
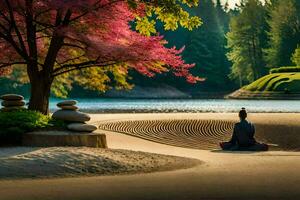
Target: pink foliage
{"type": "Point", "coordinates": [100, 29]}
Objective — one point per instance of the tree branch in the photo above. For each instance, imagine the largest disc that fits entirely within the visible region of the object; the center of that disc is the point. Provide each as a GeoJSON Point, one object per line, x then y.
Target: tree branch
{"type": "Point", "coordinates": [14, 25]}
{"type": "Point", "coordinates": [31, 36]}
{"type": "Point", "coordinates": [83, 67]}
{"type": "Point", "coordinates": [56, 42]}
{"type": "Point", "coordinates": [73, 45]}
{"type": "Point", "coordinates": [41, 13]}
{"type": "Point", "coordinates": [70, 60]}
{"type": "Point", "coordinates": [96, 8]}
{"type": "Point", "coordinates": [4, 17]}
{"type": "Point", "coordinates": [75, 65]}
{"type": "Point", "coordinates": [10, 40]}
{"type": "Point", "coordinates": [3, 65]}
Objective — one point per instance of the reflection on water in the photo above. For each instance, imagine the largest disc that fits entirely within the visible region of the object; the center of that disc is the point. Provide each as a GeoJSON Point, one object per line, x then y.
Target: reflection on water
{"type": "Point", "coordinates": [184, 105]}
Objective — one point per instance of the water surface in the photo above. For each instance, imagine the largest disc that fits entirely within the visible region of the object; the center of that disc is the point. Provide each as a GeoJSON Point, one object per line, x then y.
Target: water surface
{"type": "Point", "coordinates": [183, 105]}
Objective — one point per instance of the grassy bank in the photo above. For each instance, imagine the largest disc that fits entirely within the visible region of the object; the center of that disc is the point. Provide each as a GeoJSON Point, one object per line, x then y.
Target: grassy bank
{"type": "Point", "coordinates": [284, 85]}
{"type": "Point", "coordinates": [277, 82]}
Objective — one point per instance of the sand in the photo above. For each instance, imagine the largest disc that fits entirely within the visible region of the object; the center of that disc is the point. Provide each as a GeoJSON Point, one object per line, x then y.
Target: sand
{"type": "Point", "coordinates": [205, 131]}
{"type": "Point", "coordinates": [25, 162]}
{"type": "Point", "coordinates": [223, 175]}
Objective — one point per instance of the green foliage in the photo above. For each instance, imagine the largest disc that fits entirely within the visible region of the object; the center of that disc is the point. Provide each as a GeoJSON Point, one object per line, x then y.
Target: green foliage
{"type": "Point", "coordinates": [284, 32]}
{"type": "Point", "coordinates": [170, 13]}
{"type": "Point", "coordinates": [206, 47]}
{"type": "Point", "coordinates": [277, 82]}
{"type": "Point", "coordinates": [25, 120]}
{"type": "Point", "coordinates": [285, 69]}
{"type": "Point", "coordinates": [56, 124]}
{"type": "Point", "coordinates": [246, 41]}
{"type": "Point", "coordinates": [14, 124]}
{"type": "Point", "coordinates": [296, 56]}
{"type": "Point", "coordinates": [15, 83]}
{"type": "Point", "coordinates": [146, 26]}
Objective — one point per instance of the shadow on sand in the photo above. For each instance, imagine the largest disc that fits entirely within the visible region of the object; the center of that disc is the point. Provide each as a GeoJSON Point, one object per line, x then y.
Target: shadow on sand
{"type": "Point", "coordinates": [234, 152]}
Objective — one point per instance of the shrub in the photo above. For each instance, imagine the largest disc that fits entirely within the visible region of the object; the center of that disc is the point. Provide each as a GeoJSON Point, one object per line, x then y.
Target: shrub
{"type": "Point", "coordinates": [285, 69]}
{"type": "Point", "coordinates": [23, 119]}
{"type": "Point", "coordinates": [14, 124]}
{"type": "Point", "coordinates": [296, 56]}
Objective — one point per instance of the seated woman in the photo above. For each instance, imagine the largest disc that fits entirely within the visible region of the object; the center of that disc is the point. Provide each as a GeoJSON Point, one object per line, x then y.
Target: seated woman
{"type": "Point", "coordinates": [243, 136]}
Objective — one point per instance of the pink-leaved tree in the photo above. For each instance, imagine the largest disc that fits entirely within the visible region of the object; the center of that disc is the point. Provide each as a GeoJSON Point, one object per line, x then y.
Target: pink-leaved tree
{"type": "Point", "coordinates": [50, 38]}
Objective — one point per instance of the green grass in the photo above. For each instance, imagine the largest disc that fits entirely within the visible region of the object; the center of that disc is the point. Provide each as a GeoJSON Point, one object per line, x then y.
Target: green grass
{"type": "Point", "coordinates": [276, 82]}
{"type": "Point", "coordinates": [285, 69]}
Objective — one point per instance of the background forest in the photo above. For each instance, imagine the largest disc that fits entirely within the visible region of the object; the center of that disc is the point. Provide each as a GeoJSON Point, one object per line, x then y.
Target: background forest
{"type": "Point", "coordinates": [232, 48]}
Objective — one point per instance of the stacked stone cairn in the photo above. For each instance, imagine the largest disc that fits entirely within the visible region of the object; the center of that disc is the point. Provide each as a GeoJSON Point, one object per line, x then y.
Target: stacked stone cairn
{"type": "Point", "coordinates": [12, 102]}
{"type": "Point", "coordinates": [76, 120]}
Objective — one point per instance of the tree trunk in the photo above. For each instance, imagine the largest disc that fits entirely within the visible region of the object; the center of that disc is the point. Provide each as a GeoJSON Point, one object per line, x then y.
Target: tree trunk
{"type": "Point", "coordinates": [40, 93]}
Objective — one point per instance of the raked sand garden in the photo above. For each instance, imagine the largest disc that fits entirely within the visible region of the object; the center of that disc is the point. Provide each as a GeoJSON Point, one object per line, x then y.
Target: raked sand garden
{"type": "Point", "coordinates": [183, 168]}
{"type": "Point", "coordinates": [67, 144]}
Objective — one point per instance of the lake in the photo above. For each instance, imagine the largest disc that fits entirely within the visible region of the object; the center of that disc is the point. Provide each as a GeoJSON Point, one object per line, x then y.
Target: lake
{"type": "Point", "coordinates": [183, 105]}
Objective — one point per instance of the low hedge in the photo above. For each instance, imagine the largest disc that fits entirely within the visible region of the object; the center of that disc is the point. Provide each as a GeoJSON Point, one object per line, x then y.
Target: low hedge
{"type": "Point", "coordinates": [14, 124]}
{"type": "Point", "coordinates": [285, 69]}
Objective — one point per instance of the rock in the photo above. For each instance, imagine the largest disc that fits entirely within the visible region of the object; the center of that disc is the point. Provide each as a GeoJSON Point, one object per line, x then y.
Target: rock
{"type": "Point", "coordinates": [71, 116]}
{"type": "Point", "coordinates": [12, 97]}
{"type": "Point", "coordinates": [69, 107]}
{"type": "Point", "coordinates": [8, 109]}
{"type": "Point", "coordinates": [80, 127]}
{"type": "Point", "coordinates": [13, 103]}
{"type": "Point", "coordinates": [59, 138]}
{"type": "Point", "coordinates": [67, 103]}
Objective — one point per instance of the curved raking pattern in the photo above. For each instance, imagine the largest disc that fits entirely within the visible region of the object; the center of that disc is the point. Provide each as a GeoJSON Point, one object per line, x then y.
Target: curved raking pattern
{"type": "Point", "coordinates": [197, 134]}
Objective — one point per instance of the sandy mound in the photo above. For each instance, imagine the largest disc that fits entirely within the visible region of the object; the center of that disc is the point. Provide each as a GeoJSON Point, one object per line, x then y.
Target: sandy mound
{"type": "Point", "coordinates": [202, 134]}
{"type": "Point", "coordinates": [61, 161]}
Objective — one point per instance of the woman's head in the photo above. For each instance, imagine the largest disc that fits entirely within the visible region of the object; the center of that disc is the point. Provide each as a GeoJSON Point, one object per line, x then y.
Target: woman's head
{"type": "Point", "coordinates": [243, 113]}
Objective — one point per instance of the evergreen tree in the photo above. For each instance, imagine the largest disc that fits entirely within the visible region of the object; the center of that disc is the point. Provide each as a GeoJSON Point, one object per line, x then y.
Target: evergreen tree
{"type": "Point", "coordinates": [206, 46]}
{"type": "Point", "coordinates": [296, 56]}
{"type": "Point", "coordinates": [222, 15]}
{"type": "Point", "coordinates": [246, 41]}
{"type": "Point", "coordinates": [284, 32]}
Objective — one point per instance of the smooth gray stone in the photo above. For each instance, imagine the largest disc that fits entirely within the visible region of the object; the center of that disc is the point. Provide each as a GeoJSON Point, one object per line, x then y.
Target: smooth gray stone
{"type": "Point", "coordinates": [13, 103]}
{"type": "Point", "coordinates": [67, 103]}
{"type": "Point", "coordinates": [80, 127]}
{"type": "Point", "coordinates": [69, 107]}
{"type": "Point", "coordinates": [12, 97]}
{"type": "Point", "coordinates": [71, 116]}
